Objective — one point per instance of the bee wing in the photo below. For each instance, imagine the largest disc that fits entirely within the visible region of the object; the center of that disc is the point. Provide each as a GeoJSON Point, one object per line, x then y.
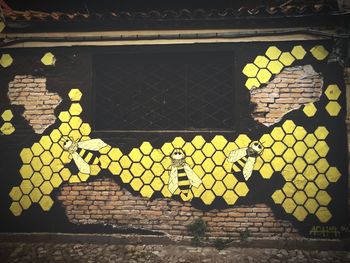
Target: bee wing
{"type": "Point", "coordinates": [173, 180]}
{"type": "Point", "coordinates": [248, 168]}
{"type": "Point", "coordinates": [192, 176]}
{"type": "Point", "coordinates": [92, 145]}
{"type": "Point", "coordinates": [83, 166]}
{"type": "Point", "coordinates": [235, 155]}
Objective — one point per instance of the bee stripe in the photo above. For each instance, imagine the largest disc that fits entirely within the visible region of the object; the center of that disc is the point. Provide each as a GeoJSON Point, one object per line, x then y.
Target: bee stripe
{"type": "Point", "coordinates": [182, 178]}
{"type": "Point", "coordinates": [240, 164]}
{"type": "Point", "coordinates": [235, 168]}
{"type": "Point", "coordinates": [181, 170]}
{"type": "Point", "coordinates": [88, 157]}
{"type": "Point", "coordinates": [184, 187]}
{"type": "Point", "coordinates": [82, 153]}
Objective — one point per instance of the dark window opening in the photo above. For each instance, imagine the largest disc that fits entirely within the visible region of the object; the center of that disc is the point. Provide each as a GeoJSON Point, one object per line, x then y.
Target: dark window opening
{"type": "Point", "coordinates": [164, 91]}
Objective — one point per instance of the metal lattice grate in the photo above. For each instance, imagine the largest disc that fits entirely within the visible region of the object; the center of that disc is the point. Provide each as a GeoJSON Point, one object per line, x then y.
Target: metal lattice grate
{"type": "Point", "coordinates": [177, 91]}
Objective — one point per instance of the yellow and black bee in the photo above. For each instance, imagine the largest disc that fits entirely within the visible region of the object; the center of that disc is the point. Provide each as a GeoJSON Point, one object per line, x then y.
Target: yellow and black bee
{"type": "Point", "coordinates": [181, 175]}
{"type": "Point", "coordinates": [243, 159]}
{"type": "Point", "coordinates": [79, 151]}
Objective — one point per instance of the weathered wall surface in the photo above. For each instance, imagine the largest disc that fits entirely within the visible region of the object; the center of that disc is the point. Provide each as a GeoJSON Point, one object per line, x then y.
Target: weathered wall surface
{"type": "Point", "coordinates": [281, 172]}
{"type": "Point", "coordinates": [104, 202]}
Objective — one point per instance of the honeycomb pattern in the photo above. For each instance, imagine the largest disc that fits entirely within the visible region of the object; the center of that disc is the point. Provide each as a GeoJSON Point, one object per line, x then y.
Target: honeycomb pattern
{"type": "Point", "coordinates": [299, 156]}
{"type": "Point", "coordinates": [310, 109]}
{"type": "Point", "coordinates": [6, 60]}
{"type": "Point", "coordinates": [306, 171]}
{"type": "Point", "coordinates": [274, 60]}
{"type": "Point", "coordinates": [44, 162]}
{"type": "Point", "coordinates": [48, 59]}
{"type": "Point", "coordinates": [333, 93]}
{"type": "Point", "coordinates": [7, 128]}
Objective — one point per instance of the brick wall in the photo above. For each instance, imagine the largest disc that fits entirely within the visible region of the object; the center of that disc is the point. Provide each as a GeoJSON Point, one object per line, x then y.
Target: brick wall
{"type": "Point", "coordinates": [104, 202]}
{"type": "Point", "coordinates": [38, 102]}
{"type": "Point", "coordinates": [289, 90]}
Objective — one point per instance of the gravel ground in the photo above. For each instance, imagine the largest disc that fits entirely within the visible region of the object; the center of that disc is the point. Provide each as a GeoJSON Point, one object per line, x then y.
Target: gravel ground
{"type": "Point", "coordinates": [50, 252]}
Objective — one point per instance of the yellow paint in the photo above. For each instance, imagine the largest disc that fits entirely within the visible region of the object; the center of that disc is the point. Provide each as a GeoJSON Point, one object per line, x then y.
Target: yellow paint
{"type": "Point", "coordinates": [333, 92]}
{"type": "Point", "coordinates": [311, 206]}
{"type": "Point", "coordinates": [7, 128]}
{"type": "Point", "coordinates": [298, 52]}
{"type": "Point", "coordinates": [310, 109]}
{"type": "Point", "coordinates": [48, 59]}
{"type": "Point", "coordinates": [319, 52]}
{"type": "Point", "coordinates": [261, 61]}
{"type": "Point", "coordinates": [46, 203]}
{"type": "Point", "coordinates": [278, 197]}
{"type": "Point", "coordinates": [289, 205]}
{"type": "Point", "coordinates": [275, 66]}
{"type": "Point", "coordinates": [75, 95]}
{"type": "Point", "coordinates": [273, 53]}
{"type": "Point", "coordinates": [333, 174]}
{"type": "Point", "coordinates": [250, 70]}
{"type": "Point", "coordinates": [252, 83]}
{"type": "Point", "coordinates": [323, 214]}
{"type": "Point", "coordinates": [333, 108]}
{"type": "Point", "coordinates": [300, 213]}
{"type": "Point", "coordinates": [6, 60]}
{"type": "Point", "coordinates": [2, 26]}
{"type": "Point", "coordinates": [7, 115]}
{"type": "Point", "coordinates": [230, 197]}
{"type": "Point", "coordinates": [286, 59]}
{"type": "Point", "coordinates": [263, 75]}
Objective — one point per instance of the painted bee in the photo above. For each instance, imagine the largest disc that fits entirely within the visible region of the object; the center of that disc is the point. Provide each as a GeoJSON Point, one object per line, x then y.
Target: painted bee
{"type": "Point", "coordinates": [77, 151]}
{"type": "Point", "coordinates": [181, 175]}
{"type": "Point", "coordinates": [244, 158]}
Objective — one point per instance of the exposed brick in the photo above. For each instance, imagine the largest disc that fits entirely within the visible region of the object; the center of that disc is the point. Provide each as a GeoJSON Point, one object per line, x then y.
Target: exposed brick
{"type": "Point", "coordinates": [38, 102]}
{"type": "Point", "coordinates": [289, 90]}
{"type": "Point", "coordinates": [164, 215]}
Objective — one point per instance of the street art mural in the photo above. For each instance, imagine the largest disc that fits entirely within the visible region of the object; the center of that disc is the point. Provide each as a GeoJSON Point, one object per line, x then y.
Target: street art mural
{"type": "Point", "coordinates": [296, 164]}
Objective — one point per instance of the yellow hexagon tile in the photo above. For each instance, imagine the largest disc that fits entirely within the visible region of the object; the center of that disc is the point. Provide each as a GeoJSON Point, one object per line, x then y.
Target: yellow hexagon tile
{"type": "Point", "coordinates": [26, 155]}
{"type": "Point", "coordinates": [252, 83]}
{"type": "Point", "coordinates": [310, 109]}
{"type": "Point", "coordinates": [321, 181]}
{"type": "Point", "coordinates": [241, 189]}
{"type": "Point", "coordinates": [277, 133]}
{"type": "Point", "coordinates": [230, 181]}
{"type": "Point", "coordinates": [311, 189]}
{"type": "Point", "coordinates": [322, 148]}
{"type": "Point", "coordinates": [323, 198]}
{"type": "Point", "coordinates": [219, 188]}
{"type": "Point", "coordinates": [198, 157]}
{"type": "Point", "coordinates": [261, 61]}
{"type": "Point", "coordinates": [219, 142]}
{"type": "Point", "coordinates": [75, 95]}
{"type": "Point", "coordinates": [286, 59]}
{"type": "Point", "coordinates": [136, 184]}
{"type": "Point", "coordinates": [25, 202]}
{"type": "Point", "coordinates": [278, 148]}
{"type": "Point", "coordinates": [16, 209]}
{"type": "Point", "coordinates": [26, 171]}
{"type": "Point", "coordinates": [275, 66]}
{"type": "Point", "coordinates": [288, 126]}
{"type": "Point", "coordinates": [208, 181]}
{"type": "Point", "coordinates": [115, 168]}
{"type": "Point", "coordinates": [300, 181]}
{"type": "Point", "coordinates": [55, 135]}
{"type": "Point", "coordinates": [75, 122]}
{"type": "Point", "coordinates": [35, 195]}
{"type": "Point", "coordinates": [6, 60]}
{"type": "Point", "coordinates": [115, 154]}
{"type": "Point", "coordinates": [264, 75]}
{"type": "Point", "coordinates": [208, 197]}
{"type": "Point", "coordinates": [322, 165]}
{"type": "Point", "coordinates": [26, 186]}
{"type": "Point", "coordinates": [46, 188]}
{"type": "Point", "coordinates": [289, 205]}
{"type": "Point", "coordinates": [75, 109]}
{"type": "Point", "coordinates": [299, 133]}
{"type": "Point", "coordinates": [298, 52]}
{"type": "Point", "coordinates": [311, 156]}
{"type": "Point", "coordinates": [37, 179]}
{"type": "Point", "coordinates": [16, 193]}
{"type": "Point", "coordinates": [300, 213]}
{"type": "Point", "coordinates": [273, 53]}
{"type": "Point", "coordinates": [7, 115]}
{"type": "Point", "coordinates": [299, 197]}
{"type": "Point", "coordinates": [197, 142]}
{"type": "Point", "coordinates": [311, 206]}
{"type": "Point", "coordinates": [333, 92]}
{"type": "Point", "coordinates": [278, 163]}
{"type": "Point", "coordinates": [300, 148]}
{"type": "Point", "coordinates": [48, 59]}
{"type": "Point", "coordinates": [146, 191]}
{"type": "Point", "coordinates": [289, 155]}
{"type": "Point", "coordinates": [178, 142]}
{"type": "Point", "coordinates": [126, 176]}
{"type": "Point", "coordinates": [310, 172]}
{"type": "Point", "coordinates": [333, 108]}
{"type": "Point", "coordinates": [266, 140]}
{"type": "Point", "coordinates": [278, 197]}
{"type": "Point", "coordinates": [321, 133]}
{"type": "Point", "coordinates": [266, 171]}
{"type": "Point", "coordinates": [289, 189]}
{"type": "Point", "coordinates": [7, 128]}
{"type": "Point", "coordinates": [333, 174]}
{"type": "Point", "coordinates": [230, 197]}
{"type": "Point", "coordinates": [288, 172]}
{"type": "Point", "coordinates": [319, 52]}
{"type": "Point", "coordinates": [250, 70]}
{"type": "Point", "coordinates": [323, 214]}
{"type": "Point", "coordinates": [157, 184]}
{"type": "Point", "coordinates": [242, 140]}
{"type": "Point", "coordinates": [46, 202]}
